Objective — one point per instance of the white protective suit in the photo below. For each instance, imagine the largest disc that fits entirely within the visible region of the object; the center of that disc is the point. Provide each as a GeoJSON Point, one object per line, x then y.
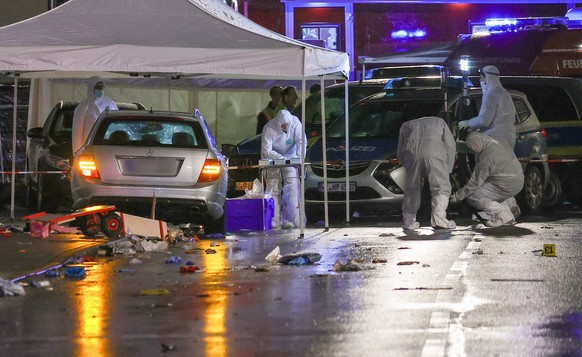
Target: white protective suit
{"type": "Point", "coordinates": [426, 149]}
{"type": "Point", "coordinates": [497, 114]}
{"type": "Point", "coordinates": [278, 143]}
{"type": "Point", "coordinates": [87, 112]}
{"type": "Point", "coordinates": [497, 177]}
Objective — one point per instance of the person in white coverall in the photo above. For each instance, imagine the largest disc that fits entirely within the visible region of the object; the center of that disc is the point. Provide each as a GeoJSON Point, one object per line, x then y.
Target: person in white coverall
{"type": "Point", "coordinates": [282, 138]}
{"type": "Point", "coordinates": [496, 179]}
{"type": "Point", "coordinates": [87, 112]}
{"type": "Point", "coordinates": [426, 149]}
{"type": "Point", "coordinates": [497, 114]}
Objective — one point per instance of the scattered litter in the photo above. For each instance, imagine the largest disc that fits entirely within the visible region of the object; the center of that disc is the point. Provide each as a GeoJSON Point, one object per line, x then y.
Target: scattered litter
{"type": "Point", "coordinates": [189, 262]}
{"type": "Point", "coordinates": [407, 263]}
{"type": "Point", "coordinates": [356, 214]}
{"type": "Point", "coordinates": [478, 251]}
{"type": "Point", "coordinates": [8, 288]}
{"type": "Point", "coordinates": [262, 268]}
{"type": "Point", "coordinates": [174, 259]}
{"type": "Point", "coordinates": [350, 265]}
{"type": "Point", "coordinates": [75, 272]}
{"type": "Point", "coordinates": [386, 235]}
{"type": "Point", "coordinates": [135, 261]}
{"type": "Point", "coordinates": [547, 227]}
{"type": "Point", "coordinates": [189, 269]}
{"type": "Point", "coordinates": [477, 239]}
{"type": "Point", "coordinates": [304, 258]}
{"type": "Point", "coordinates": [426, 265]}
{"type": "Point", "coordinates": [40, 284]}
{"type": "Point", "coordinates": [57, 228]}
{"type": "Point", "coordinates": [210, 251]}
{"type": "Point", "coordinates": [274, 256]}
{"type": "Point", "coordinates": [168, 348]}
{"type": "Point", "coordinates": [88, 259]}
{"type": "Point", "coordinates": [147, 292]}
{"type": "Point", "coordinates": [403, 248]}
{"type": "Point", "coordinates": [105, 250]}
{"type": "Point", "coordinates": [214, 244]}
{"type": "Point", "coordinates": [5, 232]}
{"type": "Point", "coordinates": [538, 252]}
{"type": "Point", "coordinates": [154, 245]}
{"type": "Point", "coordinates": [52, 273]}
{"type": "Point", "coordinates": [39, 229]}
{"type": "Point", "coordinates": [126, 270]}
{"type": "Point", "coordinates": [376, 260]}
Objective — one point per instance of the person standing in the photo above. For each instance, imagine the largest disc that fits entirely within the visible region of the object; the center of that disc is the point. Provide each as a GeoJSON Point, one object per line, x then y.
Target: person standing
{"type": "Point", "coordinates": [270, 110]}
{"type": "Point", "coordinates": [289, 98]}
{"type": "Point", "coordinates": [426, 149]}
{"type": "Point", "coordinates": [87, 112]}
{"type": "Point", "coordinates": [497, 114]}
{"type": "Point", "coordinates": [496, 179]}
{"type": "Point", "coordinates": [282, 138]}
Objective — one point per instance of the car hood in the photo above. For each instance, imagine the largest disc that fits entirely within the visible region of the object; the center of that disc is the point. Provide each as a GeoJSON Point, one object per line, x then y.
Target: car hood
{"type": "Point", "coordinates": [364, 149]}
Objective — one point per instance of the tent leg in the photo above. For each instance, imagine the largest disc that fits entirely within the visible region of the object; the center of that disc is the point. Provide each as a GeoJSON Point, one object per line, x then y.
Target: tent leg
{"type": "Point", "coordinates": [347, 121]}
{"type": "Point", "coordinates": [14, 123]}
{"type": "Point", "coordinates": [303, 138]}
{"type": "Point", "coordinates": [324, 142]}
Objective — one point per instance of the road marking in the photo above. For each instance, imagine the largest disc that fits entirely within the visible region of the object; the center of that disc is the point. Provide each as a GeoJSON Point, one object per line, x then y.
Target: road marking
{"type": "Point", "coordinates": [447, 337]}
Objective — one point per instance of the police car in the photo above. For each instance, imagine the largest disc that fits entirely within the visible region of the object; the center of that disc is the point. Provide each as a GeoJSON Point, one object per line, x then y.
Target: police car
{"type": "Point", "coordinates": [376, 179]}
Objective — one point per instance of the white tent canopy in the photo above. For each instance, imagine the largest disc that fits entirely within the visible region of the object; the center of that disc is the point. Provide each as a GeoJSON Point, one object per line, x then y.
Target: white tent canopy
{"type": "Point", "coordinates": [187, 37]}
{"type": "Point", "coordinates": [152, 37]}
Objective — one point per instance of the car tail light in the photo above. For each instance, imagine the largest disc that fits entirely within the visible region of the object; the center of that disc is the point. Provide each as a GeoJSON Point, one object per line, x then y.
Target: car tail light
{"type": "Point", "coordinates": [87, 166]}
{"type": "Point", "coordinates": [211, 171]}
{"type": "Point", "coordinates": [544, 133]}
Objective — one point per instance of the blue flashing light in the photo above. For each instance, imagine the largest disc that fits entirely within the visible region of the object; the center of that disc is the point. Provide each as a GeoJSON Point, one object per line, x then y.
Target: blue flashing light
{"type": "Point", "coordinates": [401, 34]}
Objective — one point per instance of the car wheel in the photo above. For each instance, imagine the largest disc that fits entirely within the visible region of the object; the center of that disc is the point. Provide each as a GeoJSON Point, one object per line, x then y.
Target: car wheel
{"type": "Point", "coordinates": [91, 225]}
{"type": "Point", "coordinates": [216, 226]}
{"type": "Point", "coordinates": [531, 196]}
{"type": "Point", "coordinates": [111, 225]}
{"type": "Point", "coordinates": [553, 194]}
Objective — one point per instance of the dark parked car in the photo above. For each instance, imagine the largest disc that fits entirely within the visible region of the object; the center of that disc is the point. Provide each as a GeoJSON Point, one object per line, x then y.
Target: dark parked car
{"type": "Point", "coordinates": [50, 149]}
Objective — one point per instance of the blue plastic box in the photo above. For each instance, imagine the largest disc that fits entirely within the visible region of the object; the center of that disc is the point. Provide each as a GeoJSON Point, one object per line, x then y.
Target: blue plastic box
{"type": "Point", "coordinates": [249, 214]}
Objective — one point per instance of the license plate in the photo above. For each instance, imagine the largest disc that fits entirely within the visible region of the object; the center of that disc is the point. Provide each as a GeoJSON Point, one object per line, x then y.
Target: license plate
{"type": "Point", "coordinates": [337, 187]}
{"type": "Point", "coordinates": [241, 186]}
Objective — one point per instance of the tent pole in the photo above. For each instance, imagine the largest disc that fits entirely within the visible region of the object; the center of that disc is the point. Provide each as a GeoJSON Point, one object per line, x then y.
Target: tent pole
{"type": "Point", "coordinates": [324, 157]}
{"type": "Point", "coordinates": [303, 137]}
{"type": "Point", "coordinates": [347, 120]}
{"type": "Point", "coordinates": [14, 123]}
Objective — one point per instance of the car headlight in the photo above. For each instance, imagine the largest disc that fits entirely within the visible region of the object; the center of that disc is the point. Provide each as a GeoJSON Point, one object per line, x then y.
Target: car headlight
{"type": "Point", "coordinates": [382, 175]}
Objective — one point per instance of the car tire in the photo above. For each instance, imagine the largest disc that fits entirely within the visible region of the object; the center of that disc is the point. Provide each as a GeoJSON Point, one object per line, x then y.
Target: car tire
{"type": "Point", "coordinates": [216, 226]}
{"type": "Point", "coordinates": [553, 194]}
{"type": "Point", "coordinates": [531, 196]}
{"type": "Point", "coordinates": [111, 225]}
{"type": "Point", "coordinates": [90, 225]}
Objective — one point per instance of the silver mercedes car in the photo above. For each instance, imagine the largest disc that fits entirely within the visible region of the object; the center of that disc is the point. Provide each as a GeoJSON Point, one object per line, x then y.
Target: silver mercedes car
{"type": "Point", "coordinates": [149, 161]}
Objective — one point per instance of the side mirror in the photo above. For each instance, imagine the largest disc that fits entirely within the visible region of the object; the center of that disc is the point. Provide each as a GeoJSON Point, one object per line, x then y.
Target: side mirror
{"type": "Point", "coordinates": [35, 133]}
{"type": "Point", "coordinates": [229, 149]}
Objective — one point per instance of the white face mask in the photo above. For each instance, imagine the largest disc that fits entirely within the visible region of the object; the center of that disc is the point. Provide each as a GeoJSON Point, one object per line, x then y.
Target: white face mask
{"type": "Point", "coordinates": [483, 84]}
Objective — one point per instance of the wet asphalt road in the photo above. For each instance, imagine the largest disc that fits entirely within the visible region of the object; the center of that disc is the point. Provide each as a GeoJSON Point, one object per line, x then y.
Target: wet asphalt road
{"type": "Point", "coordinates": [470, 292]}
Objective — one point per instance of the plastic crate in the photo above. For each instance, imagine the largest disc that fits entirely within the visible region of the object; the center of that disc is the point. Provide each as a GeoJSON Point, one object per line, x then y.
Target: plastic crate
{"type": "Point", "coordinates": [249, 214]}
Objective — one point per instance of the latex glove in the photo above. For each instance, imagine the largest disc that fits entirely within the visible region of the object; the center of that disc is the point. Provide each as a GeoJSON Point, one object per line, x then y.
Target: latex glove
{"type": "Point", "coordinates": [454, 199]}
{"type": "Point", "coordinates": [464, 124]}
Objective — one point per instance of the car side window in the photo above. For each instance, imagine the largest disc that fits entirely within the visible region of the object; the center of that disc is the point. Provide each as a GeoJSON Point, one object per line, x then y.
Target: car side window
{"type": "Point", "coordinates": [522, 112]}
{"type": "Point", "coordinates": [63, 124]}
{"type": "Point", "coordinates": [550, 103]}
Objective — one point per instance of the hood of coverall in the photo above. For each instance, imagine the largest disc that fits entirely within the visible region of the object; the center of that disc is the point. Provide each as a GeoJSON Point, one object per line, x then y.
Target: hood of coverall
{"type": "Point", "coordinates": [91, 86]}
{"type": "Point", "coordinates": [477, 141]}
{"type": "Point", "coordinates": [491, 77]}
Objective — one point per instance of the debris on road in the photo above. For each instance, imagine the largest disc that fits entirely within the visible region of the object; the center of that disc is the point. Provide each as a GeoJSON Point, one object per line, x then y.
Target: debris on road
{"type": "Point", "coordinates": [174, 259]}
{"type": "Point", "coordinates": [274, 255]}
{"type": "Point", "coordinates": [387, 235]}
{"type": "Point", "coordinates": [407, 263]}
{"type": "Point", "coordinates": [478, 251]}
{"type": "Point", "coordinates": [350, 265]}
{"type": "Point", "coordinates": [76, 272]}
{"type": "Point", "coordinates": [376, 260]}
{"type": "Point", "coordinates": [302, 258]}
{"type": "Point", "coordinates": [147, 292]}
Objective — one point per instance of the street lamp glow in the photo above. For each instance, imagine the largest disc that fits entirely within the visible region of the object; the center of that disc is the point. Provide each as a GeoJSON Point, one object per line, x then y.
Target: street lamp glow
{"type": "Point", "coordinates": [464, 64]}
